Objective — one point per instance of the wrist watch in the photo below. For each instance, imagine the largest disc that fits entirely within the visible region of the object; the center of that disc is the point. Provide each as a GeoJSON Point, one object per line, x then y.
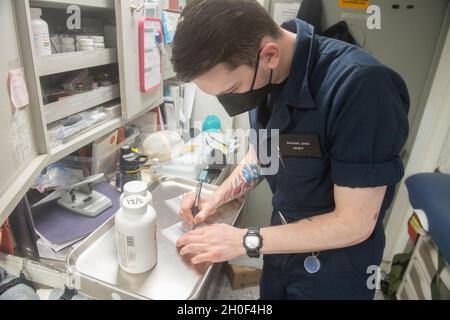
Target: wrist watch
{"type": "Point", "coordinates": [253, 242]}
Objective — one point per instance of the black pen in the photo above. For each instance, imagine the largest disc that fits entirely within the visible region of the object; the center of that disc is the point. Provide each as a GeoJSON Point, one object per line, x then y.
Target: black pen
{"type": "Point", "coordinates": [196, 209]}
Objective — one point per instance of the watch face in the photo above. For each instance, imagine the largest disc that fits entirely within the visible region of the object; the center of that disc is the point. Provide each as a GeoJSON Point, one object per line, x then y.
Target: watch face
{"type": "Point", "coordinates": [252, 242]}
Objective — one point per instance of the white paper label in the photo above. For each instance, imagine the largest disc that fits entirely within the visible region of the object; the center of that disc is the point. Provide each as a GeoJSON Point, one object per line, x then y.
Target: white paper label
{"type": "Point", "coordinates": [18, 88]}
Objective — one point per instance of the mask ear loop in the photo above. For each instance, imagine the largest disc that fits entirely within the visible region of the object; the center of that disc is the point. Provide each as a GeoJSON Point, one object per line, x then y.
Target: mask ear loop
{"type": "Point", "coordinates": [256, 71]}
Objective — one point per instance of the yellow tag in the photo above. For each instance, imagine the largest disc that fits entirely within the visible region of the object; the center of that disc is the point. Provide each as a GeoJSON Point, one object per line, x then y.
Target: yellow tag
{"type": "Point", "coordinates": [354, 4]}
{"type": "Point", "coordinates": [415, 224]}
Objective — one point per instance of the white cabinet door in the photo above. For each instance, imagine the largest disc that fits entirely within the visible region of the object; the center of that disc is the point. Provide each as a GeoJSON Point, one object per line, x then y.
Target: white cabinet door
{"type": "Point", "coordinates": [20, 161]}
{"type": "Point", "coordinates": [134, 102]}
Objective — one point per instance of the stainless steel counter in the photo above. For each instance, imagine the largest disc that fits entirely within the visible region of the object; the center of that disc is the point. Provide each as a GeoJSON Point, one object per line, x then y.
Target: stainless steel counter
{"type": "Point", "coordinates": [95, 266]}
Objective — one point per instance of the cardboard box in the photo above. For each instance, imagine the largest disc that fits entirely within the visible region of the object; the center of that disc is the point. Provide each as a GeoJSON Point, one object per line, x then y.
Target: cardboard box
{"type": "Point", "coordinates": [243, 277]}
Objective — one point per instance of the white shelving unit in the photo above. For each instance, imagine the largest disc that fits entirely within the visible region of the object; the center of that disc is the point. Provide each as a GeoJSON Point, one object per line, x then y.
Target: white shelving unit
{"type": "Point", "coordinates": [73, 145]}
{"type": "Point", "coordinates": [84, 4]}
{"type": "Point", "coordinates": [36, 69]}
{"type": "Point", "coordinates": [126, 56]}
{"type": "Point", "coordinates": [80, 102]}
{"type": "Point", "coordinates": [70, 61]}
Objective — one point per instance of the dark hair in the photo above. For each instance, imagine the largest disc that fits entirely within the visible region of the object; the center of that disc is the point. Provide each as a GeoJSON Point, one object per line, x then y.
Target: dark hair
{"type": "Point", "coordinates": [219, 31]}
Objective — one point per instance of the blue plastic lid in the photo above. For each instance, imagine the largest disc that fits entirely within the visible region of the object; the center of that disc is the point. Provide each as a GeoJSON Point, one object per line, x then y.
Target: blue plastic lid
{"type": "Point", "coordinates": [212, 122]}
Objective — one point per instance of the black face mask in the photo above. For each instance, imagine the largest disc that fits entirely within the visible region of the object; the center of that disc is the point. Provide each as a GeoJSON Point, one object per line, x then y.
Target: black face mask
{"type": "Point", "coordinates": [238, 103]}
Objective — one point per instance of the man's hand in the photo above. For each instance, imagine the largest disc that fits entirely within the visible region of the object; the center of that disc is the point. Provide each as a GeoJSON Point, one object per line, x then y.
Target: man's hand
{"type": "Point", "coordinates": [215, 243]}
{"type": "Point", "coordinates": [207, 208]}
{"type": "Point", "coordinates": [244, 178]}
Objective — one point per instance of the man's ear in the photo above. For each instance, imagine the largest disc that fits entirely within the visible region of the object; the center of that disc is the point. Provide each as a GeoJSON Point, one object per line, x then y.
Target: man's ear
{"type": "Point", "coordinates": [270, 55]}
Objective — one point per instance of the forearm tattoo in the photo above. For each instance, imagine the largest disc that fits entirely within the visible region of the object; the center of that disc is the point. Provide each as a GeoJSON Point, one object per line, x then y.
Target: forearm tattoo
{"type": "Point", "coordinates": [247, 179]}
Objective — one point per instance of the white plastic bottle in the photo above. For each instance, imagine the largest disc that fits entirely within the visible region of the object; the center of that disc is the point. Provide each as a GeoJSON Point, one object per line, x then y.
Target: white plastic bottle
{"type": "Point", "coordinates": [135, 227]}
{"type": "Point", "coordinates": [136, 188]}
{"type": "Point", "coordinates": [41, 34]}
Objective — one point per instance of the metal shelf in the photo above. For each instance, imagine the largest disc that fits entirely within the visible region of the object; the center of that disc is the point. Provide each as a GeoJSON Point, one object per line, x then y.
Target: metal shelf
{"type": "Point", "coordinates": [63, 62]}
{"type": "Point", "coordinates": [84, 139]}
{"type": "Point", "coordinates": [77, 103]}
{"type": "Point", "coordinates": [97, 4]}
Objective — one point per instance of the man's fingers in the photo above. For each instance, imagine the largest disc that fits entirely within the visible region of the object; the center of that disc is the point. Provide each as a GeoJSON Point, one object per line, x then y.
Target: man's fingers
{"type": "Point", "coordinates": [186, 215]}
{"type": "Point", "coordinates": [201, 216]}
{"type": "Point", "coordinates": [204, 257]}
{"type": "Point", "coordinates": [194, 248]}
{"type": "Point", "coordinates": [197, 232]}
{"type": "Point", "coordinates": [186, 207]}
{"type": "Point", "coordinates": [188, 239]}
{"type": "Point", "coordinates": [188, 201]}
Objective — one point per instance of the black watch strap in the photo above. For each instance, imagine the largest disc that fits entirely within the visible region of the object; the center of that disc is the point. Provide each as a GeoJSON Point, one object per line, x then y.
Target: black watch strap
{"type": "Point", "coordinates": [255, 253]}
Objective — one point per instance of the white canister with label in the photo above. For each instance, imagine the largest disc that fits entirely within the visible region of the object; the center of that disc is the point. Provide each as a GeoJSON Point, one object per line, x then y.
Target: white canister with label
{"type": "Point", "coordinates": [136, 188]}
{"type": "Point", "coordinates": [135, 227]}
